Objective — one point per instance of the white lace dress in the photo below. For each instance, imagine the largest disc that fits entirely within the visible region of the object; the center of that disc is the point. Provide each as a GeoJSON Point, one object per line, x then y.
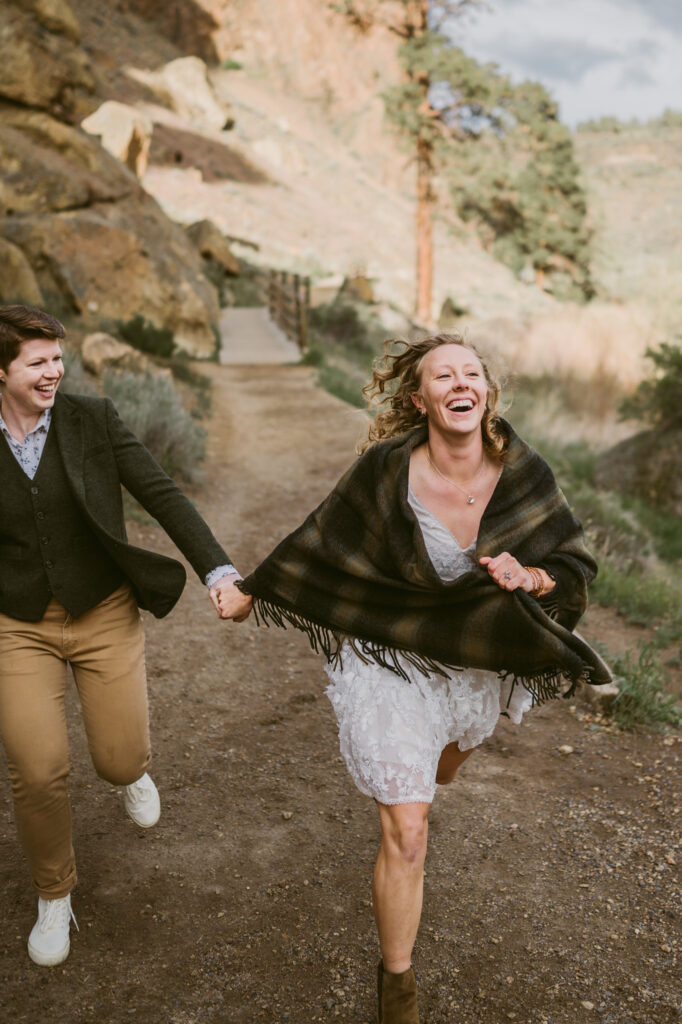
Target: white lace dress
{"type": "Point", "coordinates": [392, 731]}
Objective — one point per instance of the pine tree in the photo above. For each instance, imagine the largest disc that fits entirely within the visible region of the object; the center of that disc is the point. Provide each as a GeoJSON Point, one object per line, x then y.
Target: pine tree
{"type": "Point", "coordinates": [522, 188]}
{"type": "Point", "coordinates": [410, 105]}
{"type": "Point", "coordinates": [507, 157]}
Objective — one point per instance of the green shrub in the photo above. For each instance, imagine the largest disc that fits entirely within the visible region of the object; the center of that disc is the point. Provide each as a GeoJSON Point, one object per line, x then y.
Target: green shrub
{"type": "Point", "coordinates": [341, 324]}
{"type": "Point", "coordinates": [152, 408]}
{"type": "Point", "coordinates": [216, 275]}
{"type": "Point", "coordinates": [664, 529]}
{"type": "Point", "coordinates": [343, 340]}
{"type": "Point", "coordinates": [658, 399]}
{"type": "Point", "coordinates": [612, 529]}
{"type": "Point", "coordinates": [180, 367]}
{"type": "Point", "coordinates": [143, 335]}
{"type": "Point", "coordinates": [251, 287]}
{"type": "Point", "coordinates": [643, 597]}
{"type": "Point", "coordinates": [339, 382]}
{"type": "Point", "coordinates": [313, 356]}
{"type": "Point", "coordinates": [642, 700]}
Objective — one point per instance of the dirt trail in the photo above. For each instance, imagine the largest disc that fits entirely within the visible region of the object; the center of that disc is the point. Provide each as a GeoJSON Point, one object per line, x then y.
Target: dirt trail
{"type": "Point", "coordinates": [248, 335]}
{"type": "Point", "coordinates": [550, 890]}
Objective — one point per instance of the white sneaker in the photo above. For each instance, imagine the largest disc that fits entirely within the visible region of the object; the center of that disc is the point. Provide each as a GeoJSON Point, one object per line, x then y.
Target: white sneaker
{"type": "Point", "coordinates": [48, 943]}
{"type": "Point", "coordinates": [141, 800]}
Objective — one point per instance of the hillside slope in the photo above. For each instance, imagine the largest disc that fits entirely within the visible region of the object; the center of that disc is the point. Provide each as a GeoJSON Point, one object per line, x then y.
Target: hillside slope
{"type": "Point", "coordinates": [313, 181]}
{"type": "Point", "coordinates": [634, 181]}
{"type": "Point", "coordinates": [337, 194]}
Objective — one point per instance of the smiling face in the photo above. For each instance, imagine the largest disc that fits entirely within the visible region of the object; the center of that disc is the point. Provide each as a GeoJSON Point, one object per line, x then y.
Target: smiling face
{"type": "Point", "coordinates": [452, 389]}
{"type": "Point", "coordinates": [30, 382]}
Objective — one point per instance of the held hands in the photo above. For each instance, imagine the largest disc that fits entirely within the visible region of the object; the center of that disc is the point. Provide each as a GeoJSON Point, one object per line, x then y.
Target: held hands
{"type": "Point", "coordinates": [509, 574]}
{"type": "Point", "coordinates": [228, 600]}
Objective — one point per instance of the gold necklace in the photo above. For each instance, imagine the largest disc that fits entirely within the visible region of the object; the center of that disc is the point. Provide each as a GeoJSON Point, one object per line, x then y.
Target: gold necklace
{"type": "Point", "coordinates": [470, 498]}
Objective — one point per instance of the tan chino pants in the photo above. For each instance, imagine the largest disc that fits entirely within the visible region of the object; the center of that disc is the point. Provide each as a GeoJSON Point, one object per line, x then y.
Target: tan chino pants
{"type": "Point", "coordinates": [105, 648]}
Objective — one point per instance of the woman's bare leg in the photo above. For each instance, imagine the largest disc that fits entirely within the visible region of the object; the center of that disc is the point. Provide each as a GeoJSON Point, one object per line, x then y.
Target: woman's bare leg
{"type": "Point", "coordinates": [398, 884]}
{"type": "Point", "coordinates": [450, 760]}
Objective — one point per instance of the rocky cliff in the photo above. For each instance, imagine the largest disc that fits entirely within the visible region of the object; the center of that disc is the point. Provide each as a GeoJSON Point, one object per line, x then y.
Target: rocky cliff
{"type": "Point", "coordinates": [282, 143]}
{"type": "Point", "coordinates": [78, 233]}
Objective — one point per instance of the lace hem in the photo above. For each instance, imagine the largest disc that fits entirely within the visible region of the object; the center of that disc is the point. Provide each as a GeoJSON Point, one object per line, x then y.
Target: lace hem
{"type": "Point", "coordinates": [392, 731]}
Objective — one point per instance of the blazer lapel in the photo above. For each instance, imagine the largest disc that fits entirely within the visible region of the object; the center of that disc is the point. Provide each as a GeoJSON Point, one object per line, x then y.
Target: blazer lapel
{"type": "Point", "coordinates": [68, 424]}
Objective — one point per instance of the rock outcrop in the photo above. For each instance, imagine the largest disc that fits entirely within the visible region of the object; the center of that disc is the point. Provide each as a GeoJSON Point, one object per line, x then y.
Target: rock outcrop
{"type": "Point", "coordinates": [646, 466]}
{"type": "Point", "coordinates": [124, 132]}
{"type": "Point", "coordinates": [17, 280]}
{"type": "Point", "coordinates": [190, 25]}
{"type": "Point", "coordinates": [213, 246]}
{"type": "Point", "coordinates": [184, 86]}
{"type": "Point", "coordinates": [100, 352]}
{"type": "Point", "coordinates": [42, 64]}
{"type": "Point", "coordinates": [78, 232]}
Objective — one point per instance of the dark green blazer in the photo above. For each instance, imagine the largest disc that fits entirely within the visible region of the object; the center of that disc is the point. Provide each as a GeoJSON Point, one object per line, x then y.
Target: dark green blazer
{"type": "Point", "coordinates": [99, 454]}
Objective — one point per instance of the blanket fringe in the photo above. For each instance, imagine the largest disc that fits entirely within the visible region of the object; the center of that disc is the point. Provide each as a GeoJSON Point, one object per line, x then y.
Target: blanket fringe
{"type": "Point", "coordinates": [542, 686]}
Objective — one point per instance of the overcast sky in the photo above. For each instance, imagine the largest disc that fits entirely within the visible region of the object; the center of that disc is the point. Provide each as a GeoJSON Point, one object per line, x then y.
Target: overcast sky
{"type": "Point", "coordinates": [596, 57]}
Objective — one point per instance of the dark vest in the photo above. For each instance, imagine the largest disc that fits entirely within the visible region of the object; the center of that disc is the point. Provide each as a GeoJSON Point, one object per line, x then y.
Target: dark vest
{"type": "Point", "coordinates": [46, 545]}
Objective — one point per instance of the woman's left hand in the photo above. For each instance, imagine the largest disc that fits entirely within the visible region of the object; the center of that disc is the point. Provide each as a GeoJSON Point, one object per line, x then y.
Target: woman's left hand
{"type": "Point", "coordinates": [229, 601]}
{"type": "Point", "coordinates": [508, 573]}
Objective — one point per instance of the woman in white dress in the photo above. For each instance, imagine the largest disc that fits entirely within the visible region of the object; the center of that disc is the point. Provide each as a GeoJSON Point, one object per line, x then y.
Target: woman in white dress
{"type": "Point", "coordinates": [407, 718]}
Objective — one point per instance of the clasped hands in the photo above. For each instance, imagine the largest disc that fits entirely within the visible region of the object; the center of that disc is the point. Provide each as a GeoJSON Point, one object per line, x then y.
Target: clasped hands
{"type": "Point", "coordinates": [509, 574]}
{"type": "Point", "coordinates": [228, 600]}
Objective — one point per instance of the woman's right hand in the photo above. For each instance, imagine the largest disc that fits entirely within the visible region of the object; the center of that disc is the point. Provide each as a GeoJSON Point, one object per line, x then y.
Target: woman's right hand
{"type": "Point", "coordinates": [230, 602]}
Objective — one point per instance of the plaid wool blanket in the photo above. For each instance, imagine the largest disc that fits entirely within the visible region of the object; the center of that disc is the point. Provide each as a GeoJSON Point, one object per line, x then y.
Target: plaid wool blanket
{"type": "Point", "coordinates": [357, 570]}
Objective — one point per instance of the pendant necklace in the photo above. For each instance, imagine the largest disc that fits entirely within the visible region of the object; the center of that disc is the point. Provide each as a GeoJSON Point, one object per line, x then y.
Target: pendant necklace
{"type": "Point", "coordinates": [470, 498]}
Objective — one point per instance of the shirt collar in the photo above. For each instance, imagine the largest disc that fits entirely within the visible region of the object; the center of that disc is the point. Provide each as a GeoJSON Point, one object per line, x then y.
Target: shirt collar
{"type": "Point", "coordinates": [42, 424]}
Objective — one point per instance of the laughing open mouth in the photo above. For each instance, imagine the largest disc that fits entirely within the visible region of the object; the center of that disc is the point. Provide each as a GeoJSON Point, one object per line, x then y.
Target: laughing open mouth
{"type": "Point", "coordinates": [461, 405]}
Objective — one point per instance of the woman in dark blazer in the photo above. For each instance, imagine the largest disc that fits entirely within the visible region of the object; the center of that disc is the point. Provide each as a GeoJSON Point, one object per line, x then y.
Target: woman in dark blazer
{"type": "Point", "coordinates": [70, 591]}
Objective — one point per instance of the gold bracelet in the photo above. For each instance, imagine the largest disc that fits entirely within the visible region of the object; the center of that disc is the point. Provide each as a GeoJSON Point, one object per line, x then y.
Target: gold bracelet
{"type": "Point", "coordinates": [538, 588]}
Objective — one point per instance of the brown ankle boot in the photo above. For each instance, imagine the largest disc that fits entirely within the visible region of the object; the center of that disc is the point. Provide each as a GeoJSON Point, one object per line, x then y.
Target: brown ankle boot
{"type": "Point", "coordinates": [397, 997]}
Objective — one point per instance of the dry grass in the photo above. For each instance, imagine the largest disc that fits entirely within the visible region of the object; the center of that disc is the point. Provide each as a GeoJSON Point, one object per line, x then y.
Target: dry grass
{"type": "Point", "coordinates": [599, 341]}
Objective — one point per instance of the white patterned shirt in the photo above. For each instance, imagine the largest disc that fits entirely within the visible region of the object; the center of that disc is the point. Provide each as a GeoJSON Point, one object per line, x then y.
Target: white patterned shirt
{"type": "Point", "coordinates": [28, 454]}
{"type": "Point", "coordinates": [29, 451]}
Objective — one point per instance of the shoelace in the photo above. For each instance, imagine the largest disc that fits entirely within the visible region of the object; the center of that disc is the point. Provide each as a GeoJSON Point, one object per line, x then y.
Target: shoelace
{"type": "Point", "coordinates": [54, 915]}
{"type": "Point", "coordinates": [136, 791]}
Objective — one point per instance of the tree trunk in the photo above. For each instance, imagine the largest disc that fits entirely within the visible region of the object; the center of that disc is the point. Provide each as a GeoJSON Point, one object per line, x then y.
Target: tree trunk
{"type": "Point", "coordinates": [424, 234]}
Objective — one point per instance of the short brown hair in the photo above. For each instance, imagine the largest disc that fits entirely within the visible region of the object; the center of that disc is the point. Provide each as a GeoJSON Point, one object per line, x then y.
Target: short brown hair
{"type": "Point", "coordinates": [23, 323]}
{"type": "Point", "coordinates": [396, 377]}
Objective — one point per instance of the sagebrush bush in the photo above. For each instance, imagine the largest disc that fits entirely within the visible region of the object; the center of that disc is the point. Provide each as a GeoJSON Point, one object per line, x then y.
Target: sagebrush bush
{"type": "Point", "coordinates": [658, 399]}
{"type": "Point", "coordinates": [153, 410]}
{"type": "Point", "coordinates": [642, 700]}
{"type": "Point", "coordinates": [338, 382]}
{"type": "Point", "coordinates": [76, 379]}
{"type": "Point", "coordinates": [643, 597]}
{"type": "Point", "coordinates": [341, 323]}
{"type": "Point", "coordinates": [143, 335]}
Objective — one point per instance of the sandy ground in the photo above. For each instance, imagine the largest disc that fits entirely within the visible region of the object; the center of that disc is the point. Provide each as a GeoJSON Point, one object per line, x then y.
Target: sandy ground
{"type": "Point", "coordinates": [551, 878]}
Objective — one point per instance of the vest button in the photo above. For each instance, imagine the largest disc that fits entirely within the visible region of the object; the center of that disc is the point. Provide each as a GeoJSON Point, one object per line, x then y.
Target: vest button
{"type": "Point", "coordinates": [40, 515]}
{"type": "Point", "coordinates": [49, 564]}
{"type": "Point", "coordinates": [43, 540]}
{"type": "Point", "coordinates": [34, 490]}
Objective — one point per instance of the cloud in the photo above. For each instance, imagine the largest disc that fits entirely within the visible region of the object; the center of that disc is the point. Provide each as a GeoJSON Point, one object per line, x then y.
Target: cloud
{"type": "Point", "coordinates": [667, 13]}
{"type": "Point", "coordinates": [596, 57]}
{"type": "Point", "coordinates": [549, 57]}
{"type": "Point", "coordinates": [636, 75]}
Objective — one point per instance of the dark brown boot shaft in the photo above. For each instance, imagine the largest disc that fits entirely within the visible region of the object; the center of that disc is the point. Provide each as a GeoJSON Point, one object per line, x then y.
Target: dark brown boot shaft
{"type": "Point", "coordinates": [397, 997]}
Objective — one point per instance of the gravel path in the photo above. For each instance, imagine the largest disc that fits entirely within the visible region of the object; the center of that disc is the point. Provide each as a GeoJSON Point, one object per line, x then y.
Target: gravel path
{"type": "Point", "coordinates": [551, 890]}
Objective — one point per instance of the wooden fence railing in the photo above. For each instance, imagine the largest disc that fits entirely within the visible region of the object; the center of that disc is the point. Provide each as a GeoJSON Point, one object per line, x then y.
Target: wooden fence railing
{"type": "Point", "coordinates": [288, 304]}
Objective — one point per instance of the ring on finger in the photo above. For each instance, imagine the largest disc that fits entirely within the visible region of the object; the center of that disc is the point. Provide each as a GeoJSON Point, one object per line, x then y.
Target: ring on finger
{"type": "Point", "coordinates": [507, 575]}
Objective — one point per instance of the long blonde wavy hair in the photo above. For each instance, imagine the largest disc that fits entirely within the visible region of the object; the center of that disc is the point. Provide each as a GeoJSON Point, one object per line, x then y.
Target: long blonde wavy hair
{"type": "Point", "coordinates": [397, 375]}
